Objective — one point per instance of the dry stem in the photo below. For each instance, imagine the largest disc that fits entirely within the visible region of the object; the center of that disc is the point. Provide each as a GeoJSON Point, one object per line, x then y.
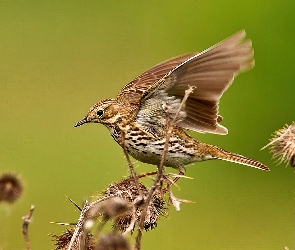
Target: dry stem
{"type": "Point", "coordinates": [79, 236]}
{"type": "Point", "coordinates": [25, 227]}
{"type": "Point", "coordinates": [161, 168]}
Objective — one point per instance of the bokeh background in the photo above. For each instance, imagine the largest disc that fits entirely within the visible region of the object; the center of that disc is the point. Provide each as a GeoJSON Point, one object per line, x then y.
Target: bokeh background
{"type": "Point", "coordinates": [59, 57]}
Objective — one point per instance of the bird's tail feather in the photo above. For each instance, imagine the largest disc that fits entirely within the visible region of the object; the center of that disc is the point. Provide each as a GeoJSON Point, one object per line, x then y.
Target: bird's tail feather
{"type": "Point", "coordinates": [214, 152]}
{"type": "Point", "coordinates": [233, 157]}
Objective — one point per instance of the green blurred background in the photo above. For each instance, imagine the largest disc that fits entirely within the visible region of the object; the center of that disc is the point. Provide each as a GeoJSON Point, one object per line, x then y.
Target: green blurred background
{"type": "Point", "coordinates": [59, 57]}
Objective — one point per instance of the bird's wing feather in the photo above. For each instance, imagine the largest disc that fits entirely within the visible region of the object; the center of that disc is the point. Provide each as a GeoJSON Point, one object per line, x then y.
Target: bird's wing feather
{"type": "Point", "coordinates": [211, 72]}
{"type": "Point", "coordinates": [134, 91]}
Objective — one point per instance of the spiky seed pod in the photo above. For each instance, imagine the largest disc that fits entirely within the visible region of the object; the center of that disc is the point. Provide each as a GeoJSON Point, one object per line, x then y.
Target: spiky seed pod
{"type": "Point", "coordinates": [62, 241]}
{"type": "Point", "coordinates": [127, 190]}
{"type": "Point", "coordinates": [10, 187]}
{"type": "Point", "coordinates": [282, 145]}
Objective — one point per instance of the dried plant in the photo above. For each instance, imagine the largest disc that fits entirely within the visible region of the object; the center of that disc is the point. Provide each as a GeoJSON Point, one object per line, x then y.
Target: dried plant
{"type": "Point", "coordinates": [62, 241]}
{"type": "Point", "coordinates": [25, 227]}
{"type": "Point", "coordinates": [120, 204]}
{"type": "Point", "coordinates": [127, 190]}
{"type": "Point", "coordinates": [10, 187]}
{"type": "Point", "coordinates": [282, 145]}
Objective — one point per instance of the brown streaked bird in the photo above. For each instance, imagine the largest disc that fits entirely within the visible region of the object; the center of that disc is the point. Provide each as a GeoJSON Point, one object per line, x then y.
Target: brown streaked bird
{"type": "Point", "coordinates": [138, 113]}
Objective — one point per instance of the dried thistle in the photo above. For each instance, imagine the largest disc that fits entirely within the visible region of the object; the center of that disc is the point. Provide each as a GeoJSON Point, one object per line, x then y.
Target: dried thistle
{"type": "Point", "coordinates": [10, 187]}
{"type": "Point", "coordinates": [62, 241]}
{"type": "Point", "coordinates": [282, 145]}
{"type": "Point", "coordinates": [127, 190]}
{"type": "Point", "coordinates": [107, 207]}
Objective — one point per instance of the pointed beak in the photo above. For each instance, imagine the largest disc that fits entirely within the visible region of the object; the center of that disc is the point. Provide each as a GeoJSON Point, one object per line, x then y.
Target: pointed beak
{"type": "Point", "coordinates": [81, 122]}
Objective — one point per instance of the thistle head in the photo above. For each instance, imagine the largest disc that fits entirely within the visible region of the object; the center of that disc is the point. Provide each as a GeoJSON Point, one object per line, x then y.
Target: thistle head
{"type": "Point", "coordinates": [282, 145]}
{"type": "Point", "coordinates": [11, 187]}
{"type": "Point", "coordinates": [105, 112]}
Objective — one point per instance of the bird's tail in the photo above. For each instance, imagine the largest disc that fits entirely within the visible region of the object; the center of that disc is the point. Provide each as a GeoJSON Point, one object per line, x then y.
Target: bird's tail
{"type": "Point", "coordinates": [218, 153]}
{"type": "Point", "coordinates": [228, 156]}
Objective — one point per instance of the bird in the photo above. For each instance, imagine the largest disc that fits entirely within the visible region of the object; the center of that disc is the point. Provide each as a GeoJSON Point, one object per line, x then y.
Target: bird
{"type": "Point", "coordinates": [137, 118]}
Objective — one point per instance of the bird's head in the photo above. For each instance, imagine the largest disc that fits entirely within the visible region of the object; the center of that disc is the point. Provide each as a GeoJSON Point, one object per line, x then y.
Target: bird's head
{"type": "Point", "coordinates": [105, 112]}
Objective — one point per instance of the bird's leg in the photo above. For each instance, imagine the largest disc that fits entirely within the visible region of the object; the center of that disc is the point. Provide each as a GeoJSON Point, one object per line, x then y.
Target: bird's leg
{"type": "Point", "coordinates": [130, 165]}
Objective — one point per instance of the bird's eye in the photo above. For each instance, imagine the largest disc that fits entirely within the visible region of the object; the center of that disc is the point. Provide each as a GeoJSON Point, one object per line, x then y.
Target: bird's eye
{"type": "Point", "coordinates": [99, 112]}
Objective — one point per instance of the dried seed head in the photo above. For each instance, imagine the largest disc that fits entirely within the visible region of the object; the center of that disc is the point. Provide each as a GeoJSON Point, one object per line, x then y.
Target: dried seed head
{"type": "Point", "coordinates": [282, 145]}
{"type": "Point", "coordinates": [62, 241]}
{"type": "Point", "coordinates": [112, 241]}
{"type": "Point", "coordinates": [127, 190]}
{"type": "Point", "coordinates": [10, 187]}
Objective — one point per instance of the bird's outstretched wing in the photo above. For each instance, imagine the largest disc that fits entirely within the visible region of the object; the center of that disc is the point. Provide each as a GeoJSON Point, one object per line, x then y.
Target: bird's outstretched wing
{"type": "Point", "coordinates": [210, 71]}
{"type": "Point", "coordinates": [134, 91]}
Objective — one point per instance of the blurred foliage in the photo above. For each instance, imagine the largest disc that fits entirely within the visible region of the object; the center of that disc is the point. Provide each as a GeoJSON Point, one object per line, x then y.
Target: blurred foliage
{"type": "Point", "coordinates": [59, 57]}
